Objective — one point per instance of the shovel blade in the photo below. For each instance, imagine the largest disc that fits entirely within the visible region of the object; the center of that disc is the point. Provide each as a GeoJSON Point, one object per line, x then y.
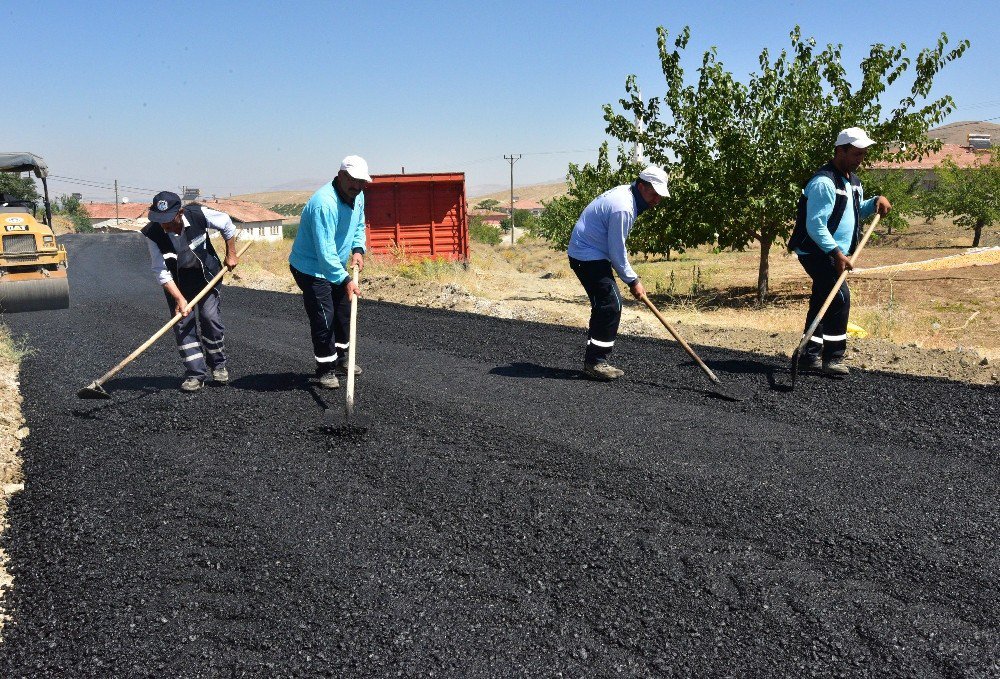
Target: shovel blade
{"type": "Point", "coordinates": [94, 391]}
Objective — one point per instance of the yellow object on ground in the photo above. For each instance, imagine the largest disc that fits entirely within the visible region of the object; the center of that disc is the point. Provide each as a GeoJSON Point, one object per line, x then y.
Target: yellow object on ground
{"type": "Point", "coordinates": [971, 257]}
{"type": "Point", "coordinates": [856, 331]}
{"type": "Point", "coordinates": [32, 264]}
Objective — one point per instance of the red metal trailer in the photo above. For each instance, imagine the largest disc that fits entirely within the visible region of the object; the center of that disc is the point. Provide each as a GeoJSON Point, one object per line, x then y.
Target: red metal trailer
{"type": "Point", "coordinates": [421, 214]}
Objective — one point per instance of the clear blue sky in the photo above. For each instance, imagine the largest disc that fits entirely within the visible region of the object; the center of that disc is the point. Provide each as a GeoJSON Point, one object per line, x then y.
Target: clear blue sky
{"type": "Point", "coordinates": [236, 97]}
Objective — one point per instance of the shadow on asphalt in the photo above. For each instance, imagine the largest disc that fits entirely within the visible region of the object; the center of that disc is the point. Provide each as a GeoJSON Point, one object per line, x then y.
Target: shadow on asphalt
{"type": "Point", "coordinates": [535, 370]}
{"type": "Point", "coordinates": [92, 413]}
{"type": "Point", "coordinates": [287, 381]}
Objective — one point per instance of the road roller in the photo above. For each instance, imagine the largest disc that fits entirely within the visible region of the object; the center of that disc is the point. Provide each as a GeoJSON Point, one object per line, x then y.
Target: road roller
{"type": "Point", "coordinates": [32, 264]}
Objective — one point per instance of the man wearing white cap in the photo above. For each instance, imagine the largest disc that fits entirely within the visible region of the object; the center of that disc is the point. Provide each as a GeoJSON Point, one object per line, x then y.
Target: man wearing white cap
{"type": "Point", "coordinates": [331, 232]}
{"type": "Point", "coordinates": [827, 230]}
{"type": "Point", "coordinates": [596, 247]}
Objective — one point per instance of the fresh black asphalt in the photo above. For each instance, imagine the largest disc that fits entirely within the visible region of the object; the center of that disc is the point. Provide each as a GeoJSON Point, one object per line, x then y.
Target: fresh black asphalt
{"type": "Point", "coordinates": [501, 517]}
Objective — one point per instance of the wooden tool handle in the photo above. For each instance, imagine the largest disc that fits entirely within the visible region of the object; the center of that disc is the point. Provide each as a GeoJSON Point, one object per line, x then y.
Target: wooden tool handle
{"type": "Point", "coordinates": [169, 324]}
{"type": "Point", "coordinates": [352, 339]}
{"type": "Point", "coordinates": [836, 288]}
{"type": "Point", "coordinates": [680, 340]}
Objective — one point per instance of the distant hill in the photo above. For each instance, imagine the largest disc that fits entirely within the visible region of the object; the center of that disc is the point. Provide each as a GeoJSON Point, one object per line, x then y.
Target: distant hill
{"type": "Point", "coordinates": [958, 133]}
{"type": "Point", "coordinates": [533, 192]}
{"type": "Point", "coordinates": [269, 198]}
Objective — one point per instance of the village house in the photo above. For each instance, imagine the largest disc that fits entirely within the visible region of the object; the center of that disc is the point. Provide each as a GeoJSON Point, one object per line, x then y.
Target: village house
{"type": "Point", "coordinates": [252, 221]}
{"type": "Point", "coordinates": [128, 216]}
{"type": "Point", "coordinates": [964, 157]}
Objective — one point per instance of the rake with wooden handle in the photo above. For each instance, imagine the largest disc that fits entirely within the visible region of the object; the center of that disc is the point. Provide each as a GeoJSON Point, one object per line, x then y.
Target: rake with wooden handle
{"type": "Point", "coordinates": [355, 421]}
{"type": "Point", "coordinates": [719, 389]}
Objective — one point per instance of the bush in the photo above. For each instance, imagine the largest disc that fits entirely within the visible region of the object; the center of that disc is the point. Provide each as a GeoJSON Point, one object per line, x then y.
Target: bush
{"type": "Point", "coordinates": [71, 206]}
{"type": "Point", "coordinates": [289, 230]}
{"type": "Point", "coordinates": [481, 232]}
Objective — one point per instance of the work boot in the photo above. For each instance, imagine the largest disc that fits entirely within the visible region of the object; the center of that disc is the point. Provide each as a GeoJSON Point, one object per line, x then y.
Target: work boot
{"type": "Point", "coordinates": [191, 384]}
{"type": "Point", "coordinates": [835, 366]}
{"type": "Point", "coordinates": [220, 374]}
{"type": "Point", "coordinates": [341, 367]}
{"type": "Point", "coordinates": [328, 380]}
{"type": "Point", "coordinates": [810, 362]}
{"type": "Point", "coordinates": [604, 372]}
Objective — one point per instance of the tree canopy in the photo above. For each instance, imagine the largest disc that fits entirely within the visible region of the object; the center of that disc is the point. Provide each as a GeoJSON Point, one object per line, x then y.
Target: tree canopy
{"type": "Point", "coordinates": [970, 195]}
{"type": "Point", "coordinates": [16, 186]}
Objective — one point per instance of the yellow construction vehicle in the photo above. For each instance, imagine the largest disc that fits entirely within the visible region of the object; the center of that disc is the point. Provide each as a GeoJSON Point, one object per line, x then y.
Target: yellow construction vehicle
{"type": "Point", "coordinates": [32, 264]}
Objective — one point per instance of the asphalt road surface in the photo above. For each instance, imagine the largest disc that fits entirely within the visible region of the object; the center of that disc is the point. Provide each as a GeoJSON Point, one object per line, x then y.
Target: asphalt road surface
{"type": "Point", "coordinates": [501, 517]}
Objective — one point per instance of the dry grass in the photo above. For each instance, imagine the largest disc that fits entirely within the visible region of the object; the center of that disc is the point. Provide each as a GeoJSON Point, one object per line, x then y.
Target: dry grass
{"type": "Point", "coordinates": [535, 192]}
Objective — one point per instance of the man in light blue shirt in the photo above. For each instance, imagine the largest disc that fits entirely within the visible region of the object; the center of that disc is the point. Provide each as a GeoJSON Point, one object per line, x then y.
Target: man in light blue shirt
{"type": "Point", "coordinates": [827, 230]}
{"type": "Point", "coordinates": [596, 248]}
{"type": "Point", "coordinates": [331, 232]}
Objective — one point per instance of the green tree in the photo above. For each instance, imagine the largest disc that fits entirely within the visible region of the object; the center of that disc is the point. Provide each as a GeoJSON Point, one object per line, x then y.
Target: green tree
{"type": "Point", "coordinates": [481, 232]}
{"type": "Point", "coordinates": [488, 204]}
{"type": "Point", "coordinates": [73, 208]}
{"type": "Point", "coordinates": [901, 188]}
{"type": "Point", "coordinates": [21, 188]}
{"type": "Point", "coordinates": [970, 195]}
{"type": "Point", "coordinates": [739, 153]}
{"type": "Point", "coordinates": [523, 219]}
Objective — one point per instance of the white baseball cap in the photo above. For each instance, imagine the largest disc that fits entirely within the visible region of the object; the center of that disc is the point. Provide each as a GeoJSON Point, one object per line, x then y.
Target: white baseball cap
{"type": "Point", "coordinates": [356, 167]}
{"type": "Point", "coordinates": [657, 178]}
{"type": "Point", "coordinates": [854, 136]}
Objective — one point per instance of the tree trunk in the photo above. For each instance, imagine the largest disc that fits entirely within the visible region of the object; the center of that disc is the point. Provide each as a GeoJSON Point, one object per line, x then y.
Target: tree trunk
{"type": "Point", "coordinates": [762, 272]}
{"type": "Point", "coordinates": [979, 232]}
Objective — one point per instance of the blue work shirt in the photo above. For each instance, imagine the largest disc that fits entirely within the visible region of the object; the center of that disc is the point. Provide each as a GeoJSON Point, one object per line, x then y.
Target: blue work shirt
{"type": "Point", "coordinates": [820, 195]}
{"type": "Point", "coordinates": [603, 227]}
{"type": "Point", "coordinates": [330, 229]}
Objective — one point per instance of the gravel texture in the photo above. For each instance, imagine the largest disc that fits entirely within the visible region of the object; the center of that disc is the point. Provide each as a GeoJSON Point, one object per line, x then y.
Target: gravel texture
{"type": "Point", "coordinates": [500, 517]}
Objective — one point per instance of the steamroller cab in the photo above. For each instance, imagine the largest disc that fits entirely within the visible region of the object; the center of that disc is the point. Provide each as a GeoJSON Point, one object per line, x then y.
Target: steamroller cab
{"type": "Point", "coordinates": [32, 263]}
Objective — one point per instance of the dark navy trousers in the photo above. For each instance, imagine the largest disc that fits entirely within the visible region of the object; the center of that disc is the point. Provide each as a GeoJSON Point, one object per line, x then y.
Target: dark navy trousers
{"type": "Point", "coordinates": [329, 312]}
{"type": "Point", "coordinates": [598, 280]}
{"type": "Point", "coordinates": [830, 339]}
{"type": "Point", "coordinates": [204, 350]}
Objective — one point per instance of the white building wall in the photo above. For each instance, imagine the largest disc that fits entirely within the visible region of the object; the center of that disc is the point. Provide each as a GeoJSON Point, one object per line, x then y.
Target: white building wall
{"type": "Point", "coordinates": [266, 231]}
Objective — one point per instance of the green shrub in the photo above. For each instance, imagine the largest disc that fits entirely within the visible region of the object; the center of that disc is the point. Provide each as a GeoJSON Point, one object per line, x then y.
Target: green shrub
{"type": "Point", "coordinates": [481, 232]}
{"type": "Point", "coordinates": [289, 230]}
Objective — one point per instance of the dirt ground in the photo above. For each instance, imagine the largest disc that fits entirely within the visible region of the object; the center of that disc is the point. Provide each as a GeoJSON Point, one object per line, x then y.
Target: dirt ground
{"type": "Point", "coordinates": [938, 319]}
{"type": "Point", "coordinates": [12, 432]}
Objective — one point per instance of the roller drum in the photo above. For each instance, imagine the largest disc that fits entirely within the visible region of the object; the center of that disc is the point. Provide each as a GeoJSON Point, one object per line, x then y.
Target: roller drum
{"type": "Point", "coordinates": [39, 294]}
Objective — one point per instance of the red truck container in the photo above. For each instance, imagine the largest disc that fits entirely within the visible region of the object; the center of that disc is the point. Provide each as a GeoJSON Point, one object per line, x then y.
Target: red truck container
{"type": "Point", "coordinates": [420, 214]}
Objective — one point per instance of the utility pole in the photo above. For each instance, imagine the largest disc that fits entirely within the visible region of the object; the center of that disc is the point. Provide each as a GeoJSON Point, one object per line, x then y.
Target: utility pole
{"type": "Point", "coordinates": [116, 202]}
{"type": "Point", "coordinates": [513, 159]}
{"type": "Point", "coordinates": [637, 154]}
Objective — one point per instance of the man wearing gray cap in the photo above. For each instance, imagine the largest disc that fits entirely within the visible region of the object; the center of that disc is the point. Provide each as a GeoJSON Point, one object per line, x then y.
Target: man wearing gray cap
{"type": "Point", "coordinates": [596, 248]}
{"type": "Point", "coordinates": [331, 232]}
{"type": "Point", "coordinates": [827, 230]}
{"type": "Point", "coordinates": [184, 261]}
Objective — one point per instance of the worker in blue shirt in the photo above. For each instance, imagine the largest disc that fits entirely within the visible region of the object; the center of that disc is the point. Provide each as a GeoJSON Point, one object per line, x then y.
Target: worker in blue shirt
{"type": "Point", "coordinates": [596, 248]}
{"type": "Point", "coordinates": [331, 232]}
{"type": "Point", "coordinates": [827, 230]}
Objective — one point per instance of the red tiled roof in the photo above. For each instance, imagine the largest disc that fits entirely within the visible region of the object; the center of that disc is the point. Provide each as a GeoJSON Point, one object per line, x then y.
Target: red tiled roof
{"type": "Point", "coordinates": [107, 210]}
{"type": "Point", "coordinates": [241, 210]}
{"type": "Point", "coordinates": [962, 156]}
{"type": "Point", "coordinates": [527, 205]}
